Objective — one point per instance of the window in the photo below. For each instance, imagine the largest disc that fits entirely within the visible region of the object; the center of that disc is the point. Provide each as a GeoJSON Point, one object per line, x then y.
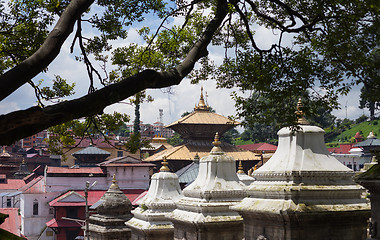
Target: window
{"type": "Point", "coordinates": [72, 212]}
{"type": "Point", "coordinates": [119, 153]}
{"type": "Point", "coordinates": [35, 207]}
{"type": "Point", "coordinates": [9, 202]}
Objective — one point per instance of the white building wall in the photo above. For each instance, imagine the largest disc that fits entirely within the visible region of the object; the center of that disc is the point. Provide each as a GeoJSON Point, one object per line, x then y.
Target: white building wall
{"type": "Point", "coordinates": [353, 161]}
{"type": "Point", "coordinates": [32, 226]}
{"type": "Point", "coordinates": [129, 177]}
{"type": "Point", "coordinates": [62, 184]}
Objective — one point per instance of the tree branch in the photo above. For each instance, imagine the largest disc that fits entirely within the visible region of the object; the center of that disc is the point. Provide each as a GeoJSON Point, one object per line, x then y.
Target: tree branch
{"type": "Point", "coordinates": [49, 50]}
{"type": "Point", "coordinates": [20, 124]}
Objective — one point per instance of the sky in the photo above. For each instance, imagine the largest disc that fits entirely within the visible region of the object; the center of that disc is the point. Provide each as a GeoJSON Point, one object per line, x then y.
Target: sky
{"type": "Point", "coordinates": [183, 98]}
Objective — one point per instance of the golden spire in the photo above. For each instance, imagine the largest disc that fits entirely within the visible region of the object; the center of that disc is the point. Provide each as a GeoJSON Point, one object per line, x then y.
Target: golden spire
{"type": "Point", "coordinates": [202, 105]}
{"type": "Point", "coordinates": [216, 144]}
{"type": "Point", "coordinates": [164, 167]}
{"type": "Point", "coordinates": [114, 183]}
{"type": "Point", "coordinates": [300, 114]}
{"type": "Point", "coordinates": [240, 168]}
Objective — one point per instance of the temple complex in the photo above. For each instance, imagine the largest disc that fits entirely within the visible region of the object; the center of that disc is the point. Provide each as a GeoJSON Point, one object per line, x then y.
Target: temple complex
{"type": "Point", "coordinates": [203, 213]}
{"type": "Point", "coordinates": [197, 130]}
{"type": "Point", "coordinates": [303, 192]}
{"type": "Point", "coordinates": [150, 221]}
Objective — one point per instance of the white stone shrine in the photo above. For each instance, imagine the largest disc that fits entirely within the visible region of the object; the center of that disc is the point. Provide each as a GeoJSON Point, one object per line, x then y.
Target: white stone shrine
{"type": "Point", "coordinates": [303, 192]}
{"type": "Point", "coordinates": [203, 213]}
{"type": "Point", "coordinates": [150, 221]}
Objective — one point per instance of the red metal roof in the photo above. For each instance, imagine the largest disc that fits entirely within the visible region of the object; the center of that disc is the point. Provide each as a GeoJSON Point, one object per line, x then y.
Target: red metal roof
{"type": "Point", "coordinates": [33, 186]}
{"type": "Point", "coordinates": [259, 147]}
{"type": "Point", "coordinates": [130, 165]}
{"type": "Point", "coordinates": [54, 223]}
{"type": "Point", "coordinates": [93, 170]}
{"type": "Point", "coordinates": [134, 202]}
{"type": "Point", "coordinates": [100, 143]}
{"type": "Point", "coordinates": [13, 222]}
{"type": "Point", "coordinates": [12, 184]}
{"type": "Point", "coordinates": [93, 197]}
{"type": "Point", "coordinates": [342, 149]}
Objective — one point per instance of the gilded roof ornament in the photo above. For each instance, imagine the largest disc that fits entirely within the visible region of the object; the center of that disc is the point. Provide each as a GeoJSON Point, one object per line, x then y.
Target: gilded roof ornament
{"type": "Point", "coordinates": [164, 167]}
{"type": "Point", "coordinates": [216, 144]}
{"type": "Point", "coordinates": [300, 114]}
{"type": "Point", "coordinates": [114, 183]}
{"type": "Point", "coordinates": [240, 168]}
{"type": "Point", "coordinates": [202, 105]}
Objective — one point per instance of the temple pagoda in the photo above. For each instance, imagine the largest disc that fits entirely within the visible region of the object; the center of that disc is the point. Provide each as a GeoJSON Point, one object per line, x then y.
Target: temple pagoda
{"type": "Point", "coordinates": [197, 130]}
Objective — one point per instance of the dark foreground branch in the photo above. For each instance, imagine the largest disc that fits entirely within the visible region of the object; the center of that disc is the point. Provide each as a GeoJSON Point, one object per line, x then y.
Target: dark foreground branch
{"type": "Point", "coordinates": [20, 124]}
{"type": "Point", "coordinates": [49, 50]}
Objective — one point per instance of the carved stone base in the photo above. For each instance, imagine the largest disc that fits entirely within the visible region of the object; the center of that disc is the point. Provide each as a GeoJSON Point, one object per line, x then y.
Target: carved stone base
{"type": "Point", "coordinates": [287, 224]}
{"type": "Point", "coordinates": [208, 231]}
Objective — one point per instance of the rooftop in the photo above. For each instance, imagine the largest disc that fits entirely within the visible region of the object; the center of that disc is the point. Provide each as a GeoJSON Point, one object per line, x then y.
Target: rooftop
{"type": "Point", "coordinates": [12, 184]}
{"type": "Point", "coordinates": [81, 170]}
{"type": "Point", "coordinates": [13, 222]}
{"type": "Point", "coordinates": [259, 147]}
{"type": "Point", "coordinates": [76, 198]}
{"type": "Point", "coordinates": [91, 150]}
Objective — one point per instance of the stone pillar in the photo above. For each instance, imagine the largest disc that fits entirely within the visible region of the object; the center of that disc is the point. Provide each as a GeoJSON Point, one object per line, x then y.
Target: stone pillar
{"type": "Point", "coordinates": [113, 211]}
{"type": "Point", "coordinates": [303, 192]}
{"type": "Point", "coordinates": [371, 181]}
{"type": "Point", "coordinates": [150, 221]}
{"type": "Point", "coordinates": [203, 213]}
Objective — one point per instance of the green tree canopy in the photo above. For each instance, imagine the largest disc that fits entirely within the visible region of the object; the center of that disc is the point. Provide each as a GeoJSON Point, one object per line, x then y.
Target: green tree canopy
{"type": "Point", "coordinates": [321, 46]}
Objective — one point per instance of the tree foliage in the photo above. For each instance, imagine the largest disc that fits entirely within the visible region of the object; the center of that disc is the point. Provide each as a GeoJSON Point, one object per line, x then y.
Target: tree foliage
{"type": "Point", "coordinates": [322, 47]}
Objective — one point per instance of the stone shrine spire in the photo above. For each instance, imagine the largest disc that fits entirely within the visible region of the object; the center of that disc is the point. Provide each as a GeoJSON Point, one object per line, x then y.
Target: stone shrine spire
{"type": "Point", "coordinates": [303, 192]}
{"type": "Point", "coordinates": [113, 210]}
{"type": "Point", "coordinates": [150, 221]}
{"type": "Point", "coordinates": [203, 213]}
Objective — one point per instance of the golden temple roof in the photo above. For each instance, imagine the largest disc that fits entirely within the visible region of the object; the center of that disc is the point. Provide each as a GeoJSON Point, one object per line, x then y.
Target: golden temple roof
{"type": "Point", "coordinates": [198, 117]}
{"type": "Point", "coordinates": [202, 148]}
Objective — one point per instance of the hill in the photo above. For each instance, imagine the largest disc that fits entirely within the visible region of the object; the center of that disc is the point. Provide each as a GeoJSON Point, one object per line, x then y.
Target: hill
{"type": "Point", "coordinates": [346, 133]}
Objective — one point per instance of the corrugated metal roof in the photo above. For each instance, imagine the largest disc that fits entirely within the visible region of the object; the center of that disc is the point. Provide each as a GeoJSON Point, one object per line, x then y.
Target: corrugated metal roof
{"type": "Point", "coordinates": [189, 173]}
{"type": "Point", "coordinates": [369, 142]}
{"type": "Point", "coordinates": [34, 186]}
{"type": "Point", "coordinates": [91, 150]}
{"type": "Point", "coordinates": [259, 147]}
{"type": "Point", "coordinates": [12, 184]}
{"type": "Point", "coordinates": [93, 170]}
{"type": "Point", "coordinates": [13, 222]}
{"type": "Point", "coordinates": [93, 197]}
{"type": "Point", "coordinates": [125, 159]}
{"type": "Point", "coordinates": [130, 165]}
{"type": "Point", "coordinates": [61, 223]}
